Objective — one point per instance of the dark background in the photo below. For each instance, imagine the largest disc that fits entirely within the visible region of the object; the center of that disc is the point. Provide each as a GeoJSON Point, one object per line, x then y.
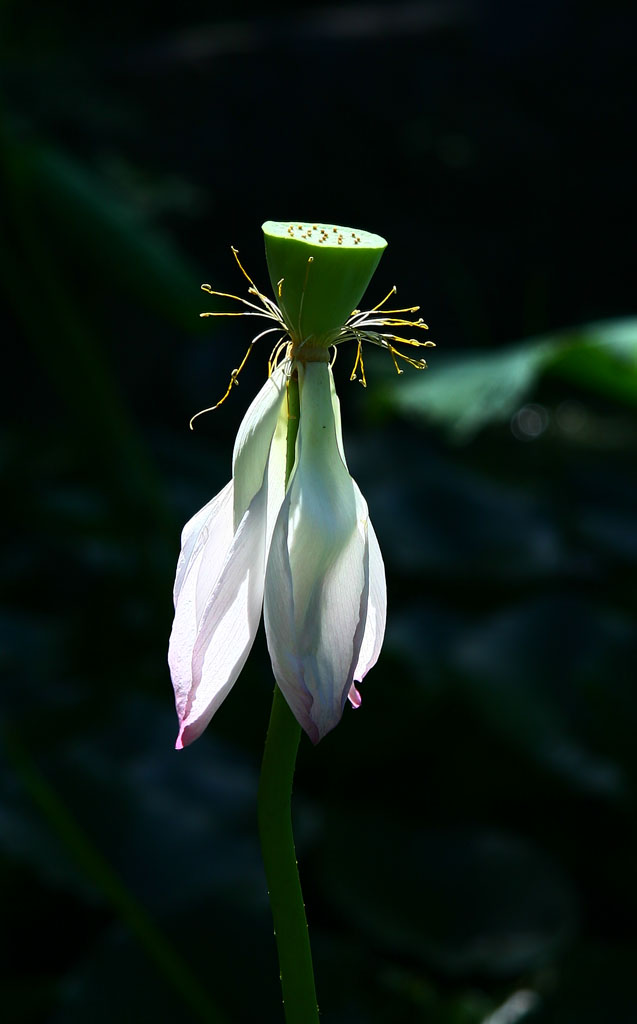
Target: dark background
{"type": "Point", "coordinates": [467, 839]}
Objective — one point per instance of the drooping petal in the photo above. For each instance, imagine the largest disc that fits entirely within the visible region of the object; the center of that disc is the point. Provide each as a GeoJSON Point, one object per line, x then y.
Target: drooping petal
{"type": "Point", "coordinates": [252, 444]}
{"type": "Point", "coordinates": [317, 578]}
{"type": "Point", "coordinates": [354, 696]}
{"type": "Point", "coordinates": [377, 601]}
{"type": "Point", "coordinates": [228, 624]}
{"type": "Point", "coordinates": [206, 538]}
{"type": "Point", "coordinates": [213, 517]}
{"type": "Point", "coordinates": [376, 613]}
{"type": "Point", "coordinates": [220, 574]}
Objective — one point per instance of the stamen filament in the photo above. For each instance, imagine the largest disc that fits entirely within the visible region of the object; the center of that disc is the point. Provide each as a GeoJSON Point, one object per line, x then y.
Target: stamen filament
{"type": "Point", "coordinates": [356, 328]}
{"type": "Point", "coordinates": [266, 316]}
{"type": "Point", "coordinates": [393, 355]}
{"type": "Point", "coordinates": [359, 362]}
{"type": "Point", "coordinates": [383, 301]}
{"type": "Point", "coordinates": [235, 253]}
{"type": "Point", "coordinates": [310, 261]}
{"type": "Point", "coordinates": [275, 355]}
{"type": "Point", "coordinates": [233, 380]}
{"type": "Point", "coordinates": [237, 298]}
{"type": "Point", "coordinates": [234, 375]}
{"type": "Point", "coordinates": [365, 321]}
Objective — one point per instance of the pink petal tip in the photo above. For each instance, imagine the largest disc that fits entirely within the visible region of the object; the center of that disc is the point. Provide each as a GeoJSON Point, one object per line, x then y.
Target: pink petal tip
{"type": "Point", "coordinates": [354, 697]}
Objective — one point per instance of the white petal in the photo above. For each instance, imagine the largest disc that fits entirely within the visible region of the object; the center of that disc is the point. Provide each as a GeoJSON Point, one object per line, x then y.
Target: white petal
{"type": "Point", "coordinates": [212, 518]}
{"type": "Point", "coordinates": [377, 602]}
{"type": "Point", "coordinates": [376, 614]}
{"type": "Point", "coordinates": [252, 446]}
{"type": "Point", "coordinates": [206, 540]}
{"type": "Point", "coordinates": [220, 575]}
{"type": "Point", "coordinates": [228, 625]}
{"type": "Point", "coordinates": [317, 576]}
{"type": "Point", "coordinates": [336, 406]}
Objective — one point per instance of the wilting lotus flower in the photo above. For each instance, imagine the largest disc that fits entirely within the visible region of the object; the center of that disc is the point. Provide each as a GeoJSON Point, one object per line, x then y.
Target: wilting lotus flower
{"type": "Point", "coordinates": [307, 552]}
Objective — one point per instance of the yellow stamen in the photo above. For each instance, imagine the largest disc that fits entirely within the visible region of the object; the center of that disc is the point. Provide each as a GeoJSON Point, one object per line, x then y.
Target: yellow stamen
{"type": "Point", "coordinates": [390, 312]}
{"type": "Point", "coordinates": [310, 260]}
{"type": "Point", "coordinates": [359, 362]}
{"type": "Point", "coordinates": [233, 380]}
{"type": "Point", "coordinates": [235, 253]}
{"type": "Point", "coordinates": [359, 327]}
{"type": "Point", "coordinates": [418, 364]}
{"type": "Point", "coordinates": [270, 313]}
{"type": "Point", "coordinates": [409, 341]}
{"type": "Point", "coordinates": [393, 355]}
{"type": "Point", "coordinates": [275, 355]}
{"type": "Point", "coordinates": [382, 303]}
{"type": "Point", "coordinates": [235, 373]}
{"type": "Point", "coordinates": [224, 314]}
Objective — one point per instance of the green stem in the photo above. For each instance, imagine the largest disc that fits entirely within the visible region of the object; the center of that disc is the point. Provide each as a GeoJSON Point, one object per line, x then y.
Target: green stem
{"type": "Point", "coordinates": [275, 830]}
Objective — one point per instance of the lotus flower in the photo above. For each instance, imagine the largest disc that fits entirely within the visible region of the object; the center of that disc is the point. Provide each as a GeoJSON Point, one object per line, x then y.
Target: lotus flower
{"type": "Point", "coordinates": [306, 552]}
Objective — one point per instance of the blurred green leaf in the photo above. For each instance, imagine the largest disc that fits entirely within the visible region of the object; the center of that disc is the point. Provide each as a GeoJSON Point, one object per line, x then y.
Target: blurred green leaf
{"type": "Point", "coordinates": [465, 392]}
{"type": "Point", "coordinates": [602, 357]}
{"type": "Point", "coordinates": [113, 231]}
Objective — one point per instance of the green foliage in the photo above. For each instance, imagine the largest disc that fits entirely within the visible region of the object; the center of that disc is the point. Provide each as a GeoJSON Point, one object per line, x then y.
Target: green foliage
{"type": "Point", "coordinates": [467, 391]}
{"type": "Point", "coordinates": [105, 226]}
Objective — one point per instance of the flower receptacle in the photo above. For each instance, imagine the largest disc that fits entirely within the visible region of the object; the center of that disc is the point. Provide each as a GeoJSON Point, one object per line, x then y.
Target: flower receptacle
{"type": "Point", "coordinates": [319, 273]}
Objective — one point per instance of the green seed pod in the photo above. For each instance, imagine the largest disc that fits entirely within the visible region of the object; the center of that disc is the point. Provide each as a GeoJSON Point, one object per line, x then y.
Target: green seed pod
{"type": "Point", "coordinates": [319, 273]}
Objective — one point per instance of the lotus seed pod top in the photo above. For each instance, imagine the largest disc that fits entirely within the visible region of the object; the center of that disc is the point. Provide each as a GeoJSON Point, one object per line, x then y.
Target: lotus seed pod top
{"type": "Point", "coordinates": [319, 273]}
